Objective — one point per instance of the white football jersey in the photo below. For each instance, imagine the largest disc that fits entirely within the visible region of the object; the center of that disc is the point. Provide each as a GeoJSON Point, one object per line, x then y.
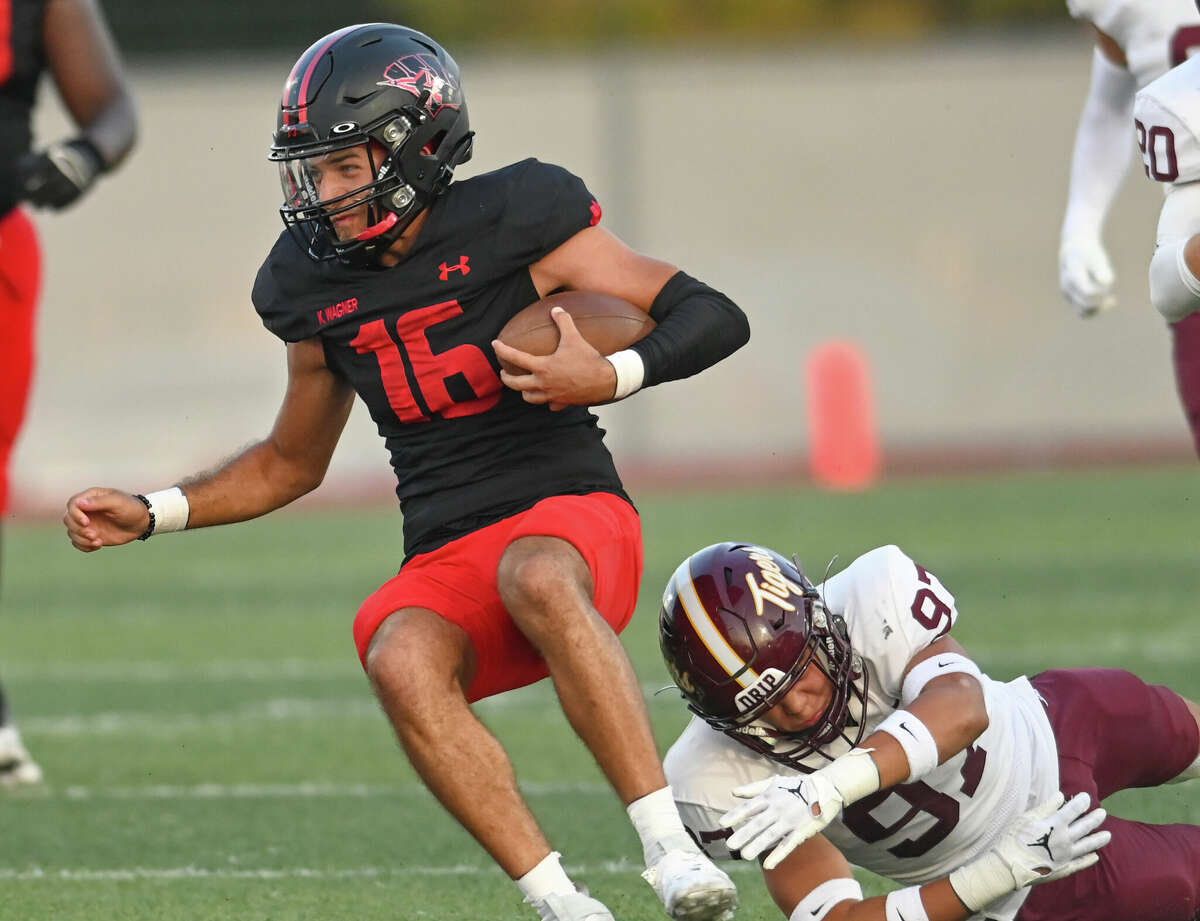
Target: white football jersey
{"type": "Point", "coordinates": [1155, 35]}
{"type": "Point", "coordinates": [1166, 120]}
{"type": "Point", "coordinates": [914, 832]}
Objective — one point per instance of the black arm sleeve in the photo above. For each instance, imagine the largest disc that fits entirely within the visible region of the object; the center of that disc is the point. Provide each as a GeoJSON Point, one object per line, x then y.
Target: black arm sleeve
{"type": "Point", "coordinates": [697, 327]}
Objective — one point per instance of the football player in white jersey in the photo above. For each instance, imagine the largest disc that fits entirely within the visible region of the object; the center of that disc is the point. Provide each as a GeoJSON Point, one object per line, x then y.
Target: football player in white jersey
{"type": "Point", "coordinates": [1137, 41]}
{"type": "Point", "coordinates": [842, 725]}
{"type": "Point", "coordinates": [1166, 121]}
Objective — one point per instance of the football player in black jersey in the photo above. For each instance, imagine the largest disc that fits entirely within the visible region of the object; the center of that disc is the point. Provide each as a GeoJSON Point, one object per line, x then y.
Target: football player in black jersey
{"type": "Point", "coordinates": [68, 38]}
{"type": "Point", "coordinates": [522, 551]}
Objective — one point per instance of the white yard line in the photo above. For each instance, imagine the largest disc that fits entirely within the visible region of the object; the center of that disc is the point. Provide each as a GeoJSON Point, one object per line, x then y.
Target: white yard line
{"type": "Point", "coordinates": [286, 791]}
{"type": "Point", "coordinates": [125, 874]}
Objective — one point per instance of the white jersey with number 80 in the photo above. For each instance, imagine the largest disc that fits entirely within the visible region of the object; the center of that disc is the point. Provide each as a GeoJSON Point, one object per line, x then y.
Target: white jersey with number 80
{"type": "Point", "coordinates": [1166, 119]}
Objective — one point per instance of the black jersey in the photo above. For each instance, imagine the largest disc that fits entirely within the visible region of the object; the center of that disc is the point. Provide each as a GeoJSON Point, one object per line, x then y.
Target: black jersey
{"type": "Point", "coordinates": [414, 340]}
{"type": "Point", "coordinates": [22, 60]}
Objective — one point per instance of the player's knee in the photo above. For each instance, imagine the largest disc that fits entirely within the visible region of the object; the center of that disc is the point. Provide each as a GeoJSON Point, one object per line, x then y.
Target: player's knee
{"type": "Point", "coordinates": [1174, 288]}
{"type": "Point", "coordinates": [416, 655]}
{"type": "Point", "coordinates": [540, 578]}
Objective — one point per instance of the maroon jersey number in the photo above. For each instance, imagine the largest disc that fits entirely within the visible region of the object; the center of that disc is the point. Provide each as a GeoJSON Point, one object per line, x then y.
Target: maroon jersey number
{"type": "Point", "coordinates": [1157, 145]}
{"type": "Point", "coordinates": [928, 609]}
{"type": "Point", "coordinates": [922, 799]}
{"type": "Point", "coordinates": [430, 370]}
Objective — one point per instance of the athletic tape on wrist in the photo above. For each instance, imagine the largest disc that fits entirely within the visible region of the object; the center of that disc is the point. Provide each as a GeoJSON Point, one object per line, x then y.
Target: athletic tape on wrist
{"type": "Point", "coordinates": [916, 740]}
{"type": "Point", "coordinates": [982, 881]}
{"type": "Point", "coordinates": [905, 905]}
{"type": "Point", "coordinates": [923, 672]}
{"type": "Point", "coordinates": [630, 370]}
{"type": "Point", "coordinates": [854, 775]}
{"type": "Point", "coordinates": [170, 510]}
{"type": "Point", "coordinates": [818, 903]}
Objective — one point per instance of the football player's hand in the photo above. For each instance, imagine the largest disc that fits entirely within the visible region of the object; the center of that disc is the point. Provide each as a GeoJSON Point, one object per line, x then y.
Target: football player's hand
{"type": "Point", "coordinates": [98, 518]}
{"type": "Point", "coordinates": [1086, 277]}
{"type": "Point", "coordinates": [58, 175]}
{"type": "Point", "coordinates": [1048, 842]}
{"type": "Point", "coordinates": [575, 374]}
{"type": "Point", "coordinates": [783, 813]}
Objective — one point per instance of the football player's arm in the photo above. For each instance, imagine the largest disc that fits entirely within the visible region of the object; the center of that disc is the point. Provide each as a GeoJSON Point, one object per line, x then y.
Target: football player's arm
{"type": "Point", "coordinates": [288, 463]}
{"type": "Point", "coordinates": [949, 705]}
{"type": "Point", "coordinates": [1175, 266]}
{"type": "Point", "coordinates": [84, 63]}
{"type": "Point", "coordinates": [815, 883]}
{"type": "Point", "coordinates": [697, 326]}
{"type": "Point", "coordinates": [1103, 147]}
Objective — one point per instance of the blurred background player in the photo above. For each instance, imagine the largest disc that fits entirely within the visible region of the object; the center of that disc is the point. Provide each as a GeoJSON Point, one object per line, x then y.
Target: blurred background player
{"type": "Point", "coordinates": [522, 551]}
{"type": "Point", "coordinates": [1137, 41]}
{"type": "Point", "coordinates": [1166, 119]}
{"type": "Point", "coordinates": [841, 725]}
{"type": "Point", "coordinates": [70, 39]}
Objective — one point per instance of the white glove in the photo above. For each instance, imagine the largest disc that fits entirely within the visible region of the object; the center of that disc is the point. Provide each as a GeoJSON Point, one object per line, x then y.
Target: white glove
{"type": "Point", "coordinates": [1086, 276]}
{"type": "Point", "coordinates": [783, 811]}
{"type": "Point", "coordinates": [1048, 842]}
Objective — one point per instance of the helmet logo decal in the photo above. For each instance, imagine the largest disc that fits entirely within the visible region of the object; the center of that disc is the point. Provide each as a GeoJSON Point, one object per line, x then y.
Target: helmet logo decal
{"type": "Point", "coordinates": [774, 587]}
{"type": "Point", "coordinates": [752, 696]}
{"type": "Point", "coordinates": [709, 634]}
{"type": "Point", "coordinates": [344, 128]}
{"type": "Point", "coordinates": [423, 75]}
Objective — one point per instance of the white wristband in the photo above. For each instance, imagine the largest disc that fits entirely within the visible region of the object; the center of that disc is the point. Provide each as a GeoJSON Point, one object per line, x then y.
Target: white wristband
{"type": "Point", "coordinates": [916, 740]}
{"type": "Point", "coordinates": [818, 903]}
{"type": "Point", "coordinates": [631, 371]}
{"type": "Point", "coordinates": [854, 775]}
{"type": "Point", "coordinates": [170, 509]}
{"type": "Point", "coordinates": [905, 905]}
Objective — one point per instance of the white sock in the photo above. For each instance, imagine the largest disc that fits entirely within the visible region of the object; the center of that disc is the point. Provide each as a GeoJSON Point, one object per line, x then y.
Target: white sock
{"type": "Point", "coordinates": [657, 822]}
{"type": "Point", "coordinates": [547, 878]}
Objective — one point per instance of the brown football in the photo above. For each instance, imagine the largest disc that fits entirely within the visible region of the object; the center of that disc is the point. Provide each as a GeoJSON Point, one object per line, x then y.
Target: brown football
{"type": "Point", "coordinates": [608, 323]}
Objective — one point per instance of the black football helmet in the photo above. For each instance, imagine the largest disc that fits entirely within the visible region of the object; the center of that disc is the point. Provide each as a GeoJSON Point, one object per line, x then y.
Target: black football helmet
{"type": "Point", "coordinates": [390, 90]}
{"type": "Point", "coordinates": [739, 625]}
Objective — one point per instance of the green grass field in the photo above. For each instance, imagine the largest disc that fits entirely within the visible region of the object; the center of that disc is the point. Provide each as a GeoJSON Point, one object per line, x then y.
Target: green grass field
{"type": "Point", "coordinates": [213, 751]}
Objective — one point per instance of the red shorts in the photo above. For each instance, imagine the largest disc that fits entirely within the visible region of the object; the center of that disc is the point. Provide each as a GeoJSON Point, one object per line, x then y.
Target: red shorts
{"type": "Point", "coordinates": [20, 278]}
{"type": "Point", "coordinates": [1114, 732]}
{"type": "Point", "coordinates": [458, 581]}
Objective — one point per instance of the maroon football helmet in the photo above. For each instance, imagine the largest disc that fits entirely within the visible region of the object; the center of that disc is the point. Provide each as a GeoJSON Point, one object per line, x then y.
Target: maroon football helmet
{"type": "Point", "coordinates": [739, 626]}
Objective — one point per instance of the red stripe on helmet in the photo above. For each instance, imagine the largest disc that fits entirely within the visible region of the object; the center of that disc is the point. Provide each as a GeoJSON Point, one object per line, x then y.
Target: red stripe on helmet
{"type": "Point", "coordinates": [296, 88]}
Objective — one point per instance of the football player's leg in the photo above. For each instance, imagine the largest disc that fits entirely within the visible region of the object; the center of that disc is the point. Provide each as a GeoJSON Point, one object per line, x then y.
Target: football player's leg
{"type": "Point", "coordinates": [1147, 872]}
{"type": "Point", "coordinates": [567, 593]}
{"type": "Point", "coordinates": [19, 283]}
{"type": "Point", "coordinates": [1114, 731]}
{"type": "Point", "coordinates": [419, 664]}
{"type": "Point", "coordinates": [1185, 352]}
{"type": "Point", "coordinates": [1192, 771]}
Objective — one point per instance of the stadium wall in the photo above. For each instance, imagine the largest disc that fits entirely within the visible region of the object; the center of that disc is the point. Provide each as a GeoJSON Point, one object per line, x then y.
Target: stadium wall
{"type": "Point", "coordinates": [906, 198]}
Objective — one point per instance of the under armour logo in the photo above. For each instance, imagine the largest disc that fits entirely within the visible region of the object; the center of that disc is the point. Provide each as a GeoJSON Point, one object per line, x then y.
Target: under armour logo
{"type": "Point", "coordinates": [445, 270]}
{"type": "Point", "coordinates": [1043, 842]}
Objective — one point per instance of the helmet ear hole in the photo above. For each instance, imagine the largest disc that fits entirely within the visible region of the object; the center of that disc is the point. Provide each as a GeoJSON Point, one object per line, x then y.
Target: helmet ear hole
{"type": "Point", "coordinates": [431, 147]}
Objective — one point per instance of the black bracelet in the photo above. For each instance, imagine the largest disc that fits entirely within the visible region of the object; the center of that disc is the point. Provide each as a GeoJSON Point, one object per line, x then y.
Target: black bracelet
{"type": "Point", "coordinates": [145, 535]}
